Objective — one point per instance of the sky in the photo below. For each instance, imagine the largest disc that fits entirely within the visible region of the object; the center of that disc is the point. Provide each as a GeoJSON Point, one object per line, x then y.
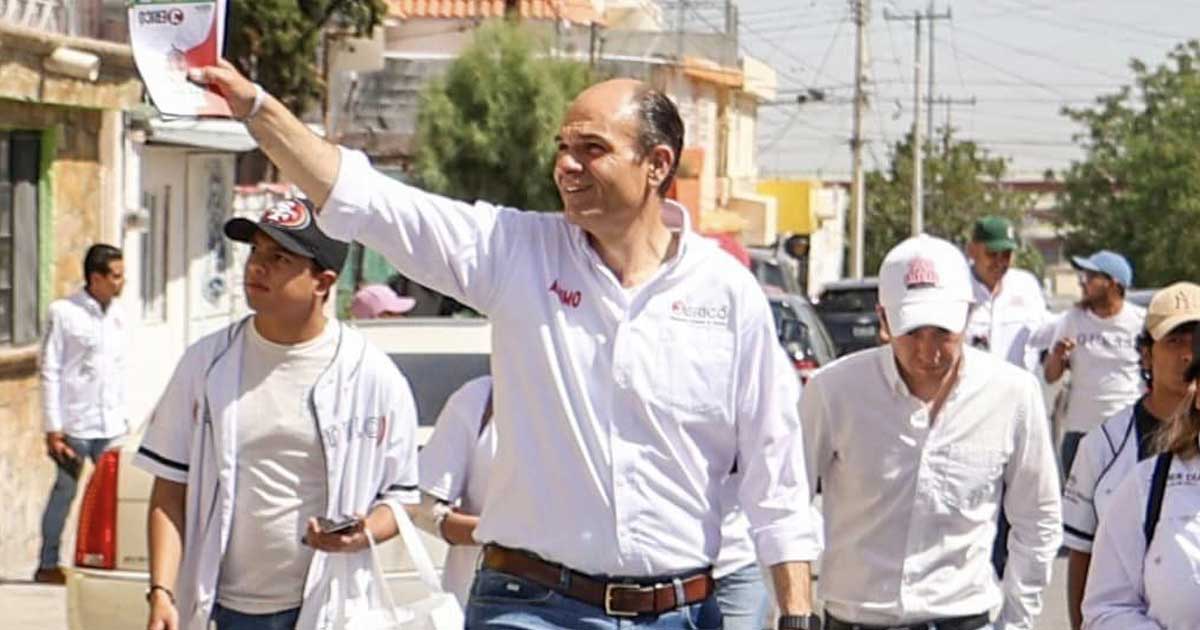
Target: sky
{"type": "Point", "coordinates": [1021, 61]}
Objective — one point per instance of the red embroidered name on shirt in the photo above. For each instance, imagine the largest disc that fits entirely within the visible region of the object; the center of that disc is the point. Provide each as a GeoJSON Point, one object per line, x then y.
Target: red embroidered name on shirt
{"type": "Point", "coordinates": [921, 273]}
{"type": "Point", "coordinates": [568, 298]}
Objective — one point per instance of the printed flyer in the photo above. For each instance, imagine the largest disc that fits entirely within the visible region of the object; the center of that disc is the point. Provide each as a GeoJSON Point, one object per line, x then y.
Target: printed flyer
{"type": "Point", "coordinates": [168, 38]}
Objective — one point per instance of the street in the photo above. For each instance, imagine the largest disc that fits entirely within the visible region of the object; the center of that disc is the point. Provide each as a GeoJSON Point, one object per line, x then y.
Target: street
{"type": "Point", "coordinates": [36, 607]}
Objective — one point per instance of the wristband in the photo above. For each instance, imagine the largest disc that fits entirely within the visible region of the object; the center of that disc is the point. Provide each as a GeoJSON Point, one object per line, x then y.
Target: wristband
{"type": "Point", "coordinates": [160, 587]}
{"type": "Point", "coordinates": [260, 97]}
{"type": "Point", "coordinates": [440, 512]}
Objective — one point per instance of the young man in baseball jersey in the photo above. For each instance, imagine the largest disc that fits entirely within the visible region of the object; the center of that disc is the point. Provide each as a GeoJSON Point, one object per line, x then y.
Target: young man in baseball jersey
{"type": "Point", "coordinates": [267, 426]}
{"type": "Point", "coordinates": [912, 443]}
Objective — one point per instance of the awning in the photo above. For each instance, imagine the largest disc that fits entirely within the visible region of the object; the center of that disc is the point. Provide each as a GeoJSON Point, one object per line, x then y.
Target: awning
{"type": "Point", "coordinates": [218, 134]}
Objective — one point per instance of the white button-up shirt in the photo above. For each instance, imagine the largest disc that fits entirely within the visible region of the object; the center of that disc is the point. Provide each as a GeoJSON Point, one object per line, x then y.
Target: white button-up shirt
{"type": "Point", "coordinates": [620, 411]}
{"type": "Point", "coordinates": [911, 505]}
{"type": "Point", "coordinates": [1005, 322]}
{"type": "Point", "coordinates": [1132, 587]}
{"type": "Point", "coordinates": [83, 368]}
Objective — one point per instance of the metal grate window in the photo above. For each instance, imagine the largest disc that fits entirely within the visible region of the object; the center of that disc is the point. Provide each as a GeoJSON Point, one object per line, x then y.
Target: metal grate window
{"type": "Point", "coordinates": [20, 156]}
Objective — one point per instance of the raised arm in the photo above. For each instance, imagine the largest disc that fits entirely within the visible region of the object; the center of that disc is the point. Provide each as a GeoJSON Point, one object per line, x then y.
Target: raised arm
{"type": "Point", "coordinates": [302, 156]}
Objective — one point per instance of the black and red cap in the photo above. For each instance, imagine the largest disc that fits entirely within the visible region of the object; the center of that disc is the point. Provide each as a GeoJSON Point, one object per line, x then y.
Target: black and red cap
{"type": "Point", "coordinates": [292, 223]}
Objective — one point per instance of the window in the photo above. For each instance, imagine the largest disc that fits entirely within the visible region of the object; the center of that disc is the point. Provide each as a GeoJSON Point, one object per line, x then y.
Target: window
{"type": "Point", "coordinates": [20, 157]}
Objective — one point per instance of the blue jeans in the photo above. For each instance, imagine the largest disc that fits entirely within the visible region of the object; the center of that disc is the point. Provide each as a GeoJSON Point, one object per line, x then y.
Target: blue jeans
{"type": "Point", "coordinates": [500, 600]}
{"type": "Point", "coordinates": [227, 619]}
{"type": "Point", "coordinates": [743, 598]}
{"type": "Point", "coordinates": [61, 495]}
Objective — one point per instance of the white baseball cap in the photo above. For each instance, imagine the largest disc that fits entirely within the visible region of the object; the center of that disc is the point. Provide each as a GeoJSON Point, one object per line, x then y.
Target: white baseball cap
{"type": "Point", "coordinates": [925, 281]}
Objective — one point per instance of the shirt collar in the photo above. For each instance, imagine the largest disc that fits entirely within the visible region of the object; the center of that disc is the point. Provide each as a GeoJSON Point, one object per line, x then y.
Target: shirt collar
{"type": "Point", "coordinates": [90, 303]}
{"type": "Point", "coordinates": [674, 215]}
{"type": "Point", "coordinates": [891, 373]}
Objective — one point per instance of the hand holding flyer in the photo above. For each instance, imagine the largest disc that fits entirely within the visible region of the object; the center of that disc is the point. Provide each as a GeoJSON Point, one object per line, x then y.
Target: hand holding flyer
{"type": "Point", "coordinates": [168, 39]}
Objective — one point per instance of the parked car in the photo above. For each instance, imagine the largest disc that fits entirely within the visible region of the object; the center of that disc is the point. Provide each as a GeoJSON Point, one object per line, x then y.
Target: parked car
{"type": "Point", "coordinates": [801, 333]}
{"type": "Point", "coordinates": [106, 589]}
{"type": "Point", "coordinates": [848, 309]}
{"type": "Point", "coordinates": [774, 268]}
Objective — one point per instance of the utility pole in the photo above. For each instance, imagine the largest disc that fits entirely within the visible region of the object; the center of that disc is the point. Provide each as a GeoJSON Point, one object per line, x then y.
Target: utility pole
{"type": "Point", "coordinates": [949, 103]}
{"type": "Point", "coordinates": [918, 140]}
{"type": "Point", "coordinates": [862, 13]}
{"type": "Point", "coordinates": [682, 17]}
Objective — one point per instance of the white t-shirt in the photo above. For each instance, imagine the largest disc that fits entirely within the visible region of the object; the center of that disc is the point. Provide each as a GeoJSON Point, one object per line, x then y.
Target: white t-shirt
{"type": "Point", "coordinates": [1105, 365]}
{"type": "Point", "coordinates": [454, 467]}
{"type": "Point", "coordinates": [280, 474]}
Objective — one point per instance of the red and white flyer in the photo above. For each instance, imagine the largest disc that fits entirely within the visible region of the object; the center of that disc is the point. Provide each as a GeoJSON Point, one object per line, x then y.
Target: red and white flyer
{"type": "Point", "coordinates": [169, 38]}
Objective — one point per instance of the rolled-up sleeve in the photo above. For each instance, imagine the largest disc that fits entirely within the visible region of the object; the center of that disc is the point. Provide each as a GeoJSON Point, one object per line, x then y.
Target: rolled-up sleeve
{"type": "Point", "coordinates": [456, 248]}
{"type": "Point", "coordinates": [1115, 598]}
{"type": "Point", "coordinates": [1034, 508]}
{"type": "Point", "coordinates": [774, 491]}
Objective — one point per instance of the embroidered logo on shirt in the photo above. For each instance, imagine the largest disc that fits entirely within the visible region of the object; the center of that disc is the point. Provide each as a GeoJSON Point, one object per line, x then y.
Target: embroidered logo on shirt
{"type": "Point", "coordinates": [708, 315]}
{"type": "Point", "coordinates": [288, 213]}
{"type": "Point", "coordinates": [568, 298]}
{"type": "Point", "coordinates": [921, 274]}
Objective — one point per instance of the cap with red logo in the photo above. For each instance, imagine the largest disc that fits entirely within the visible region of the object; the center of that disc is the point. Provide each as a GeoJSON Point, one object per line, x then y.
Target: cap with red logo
{"type": "Point", "coordinates": [292, 224]}
{"type": "Point", "coordinates": [925, 281]}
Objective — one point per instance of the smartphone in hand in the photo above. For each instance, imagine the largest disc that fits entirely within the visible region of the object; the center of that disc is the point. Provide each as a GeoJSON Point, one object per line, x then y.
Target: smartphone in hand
{"type": "Point", "coordinates": [339, 526]}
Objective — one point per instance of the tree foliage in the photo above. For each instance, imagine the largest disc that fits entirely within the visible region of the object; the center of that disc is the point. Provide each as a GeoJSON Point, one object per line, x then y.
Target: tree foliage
{"type": "Point", "coordinates": [962, 183]}
{"type": "Point", "coordinates": [1137, 190]}
{"type": "Point", "coordinates": [486, 129]}
{"type": "Point", "coordinates": [276, 42]}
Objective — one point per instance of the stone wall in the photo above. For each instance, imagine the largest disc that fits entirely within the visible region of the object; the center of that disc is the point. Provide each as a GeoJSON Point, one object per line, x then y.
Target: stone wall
{"type": "Point", "coordinates": [76, 216]}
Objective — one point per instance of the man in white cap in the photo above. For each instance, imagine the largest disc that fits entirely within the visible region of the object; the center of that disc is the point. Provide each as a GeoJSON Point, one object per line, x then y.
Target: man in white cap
{"type": "Point", "coordinates": [912, 442]}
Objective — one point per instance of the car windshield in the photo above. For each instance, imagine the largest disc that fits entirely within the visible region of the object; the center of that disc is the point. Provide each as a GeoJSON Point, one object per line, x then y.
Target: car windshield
{"type": "Point", "coordinates": [849, 300]}
{"type": "Point", "coordinates": [788, 324]}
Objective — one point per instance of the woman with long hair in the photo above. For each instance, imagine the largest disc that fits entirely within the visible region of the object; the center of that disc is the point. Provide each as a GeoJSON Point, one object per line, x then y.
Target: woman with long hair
{"type": "Point", "coordinates": [1145, 570]}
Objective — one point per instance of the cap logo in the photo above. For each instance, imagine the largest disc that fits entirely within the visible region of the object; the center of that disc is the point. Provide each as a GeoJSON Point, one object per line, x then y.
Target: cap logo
{"type": "Point", "coordinates": [1182, 301]}
{"type": "Point", "coordinates": [1010, 233]}
{"type": "Point", "coordinates": [921, 273]}
{"type": "Point", "coordinates": [290, 214]}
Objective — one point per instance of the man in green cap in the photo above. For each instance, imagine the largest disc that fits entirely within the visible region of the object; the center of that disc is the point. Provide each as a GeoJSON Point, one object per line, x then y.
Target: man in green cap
{"type": "Point", "coordinates": [1009, 304]}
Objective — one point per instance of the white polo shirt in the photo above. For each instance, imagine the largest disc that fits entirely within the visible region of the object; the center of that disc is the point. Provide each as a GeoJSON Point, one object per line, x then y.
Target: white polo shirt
{"type": "Point", "coordinates": [1132, 587]}
{"type": "Point", "coordinates": [1005, 322]}
{"type": "Point", "coordinates": [621, 410]}
{"type": "Point", "coordinates": [1106, 455]}
{"type": "Point", "coordinates": [83, 368]}
{"type": "Point", "coordinates": [911, 507]}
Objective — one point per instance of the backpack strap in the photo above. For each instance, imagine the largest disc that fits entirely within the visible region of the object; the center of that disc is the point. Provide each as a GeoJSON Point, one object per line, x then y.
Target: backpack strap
{"type": "Point", "coordinates": [1158, 488]}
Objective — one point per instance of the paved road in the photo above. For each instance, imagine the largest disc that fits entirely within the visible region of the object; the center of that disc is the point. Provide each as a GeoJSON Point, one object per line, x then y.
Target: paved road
{"type": "Point", "coordinates": [36, 607]}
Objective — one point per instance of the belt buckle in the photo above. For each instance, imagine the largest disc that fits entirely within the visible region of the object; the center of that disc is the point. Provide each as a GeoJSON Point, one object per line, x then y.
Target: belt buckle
{"type": "Point", "coordinates": [608, 597]}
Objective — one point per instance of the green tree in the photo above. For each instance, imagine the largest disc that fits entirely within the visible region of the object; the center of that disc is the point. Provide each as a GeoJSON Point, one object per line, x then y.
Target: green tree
{"type": "Point", "coordinates": [486, 129]}
{"type": "Point", "coordinates": [1137, 190]}
{"type": "Point", "coordinates": [963, 182]}
{"type": "Point", "coordinates": [276, 42]}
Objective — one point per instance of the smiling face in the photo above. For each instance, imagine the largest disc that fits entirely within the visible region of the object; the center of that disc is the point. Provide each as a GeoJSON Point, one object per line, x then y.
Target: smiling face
{"type": "Point", "coordinates": [989, 266]}
{"type": "Point", "coordinates": [602, 173]}
{"type": "Point", "coordinates": [279, 283]}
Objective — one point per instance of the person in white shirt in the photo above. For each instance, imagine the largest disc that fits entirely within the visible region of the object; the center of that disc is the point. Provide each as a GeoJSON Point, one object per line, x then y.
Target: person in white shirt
{"type": "Point", "coordinates": [1009, 304]}
{"type": "Point", "coordinates": [912, 443]}
{"type": "Point", "coordinates": [632, 360]}
{"type": "Point", "coordinates": [267, 427]}
{"type": "Point", "coordinates": [1107, 453]}
{"type": "Point", "coordinates": [83, 389]}
{"type": "Point", "coordinates": [1146, 560]}
{"type": "Point", "coordinates": [1097, 341]}
{"type": "Point", "coordinates": [455, 465]}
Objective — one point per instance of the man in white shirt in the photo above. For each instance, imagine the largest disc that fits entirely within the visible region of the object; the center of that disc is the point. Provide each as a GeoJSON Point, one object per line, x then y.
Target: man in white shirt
{"type": "Point", "coordinates": [1009, 305]}
{"type": "Point", "coordinates": [912, 442]}
{"type": "Point", "coordinates": [83, 388]}
{"type": "Point", "coordinates": [633, 361]}
{"type": "Point", "coordinates": [267, 427]}
{"type": "Point", "coordinates": [1097, 341]}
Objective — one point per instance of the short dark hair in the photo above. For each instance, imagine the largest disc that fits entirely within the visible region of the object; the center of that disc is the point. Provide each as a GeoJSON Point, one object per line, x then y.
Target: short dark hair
{"type": "Point", "coordinates": [659, 123]}
{"type": "Point", "coordinates": [97, 260]}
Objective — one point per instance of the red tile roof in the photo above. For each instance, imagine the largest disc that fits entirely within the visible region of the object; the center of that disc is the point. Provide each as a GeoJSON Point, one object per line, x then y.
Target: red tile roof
{"type": "Point", "coordinates": [579, 11]}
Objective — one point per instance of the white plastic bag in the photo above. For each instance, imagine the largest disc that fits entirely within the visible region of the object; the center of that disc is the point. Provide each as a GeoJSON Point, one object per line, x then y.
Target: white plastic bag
{"type": "Point", "coordinates": [438, 611]}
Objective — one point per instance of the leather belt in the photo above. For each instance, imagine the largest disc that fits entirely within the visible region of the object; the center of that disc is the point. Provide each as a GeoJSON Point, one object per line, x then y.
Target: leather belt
{"type": "Point", "coordinates": [618, 597]}
{"type": "Point", "coordinates": [970, 622]}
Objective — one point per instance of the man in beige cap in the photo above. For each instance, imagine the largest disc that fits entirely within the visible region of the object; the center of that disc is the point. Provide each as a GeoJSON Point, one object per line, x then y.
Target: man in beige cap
{"type": "Point", "coordinates": [1108, 452]}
